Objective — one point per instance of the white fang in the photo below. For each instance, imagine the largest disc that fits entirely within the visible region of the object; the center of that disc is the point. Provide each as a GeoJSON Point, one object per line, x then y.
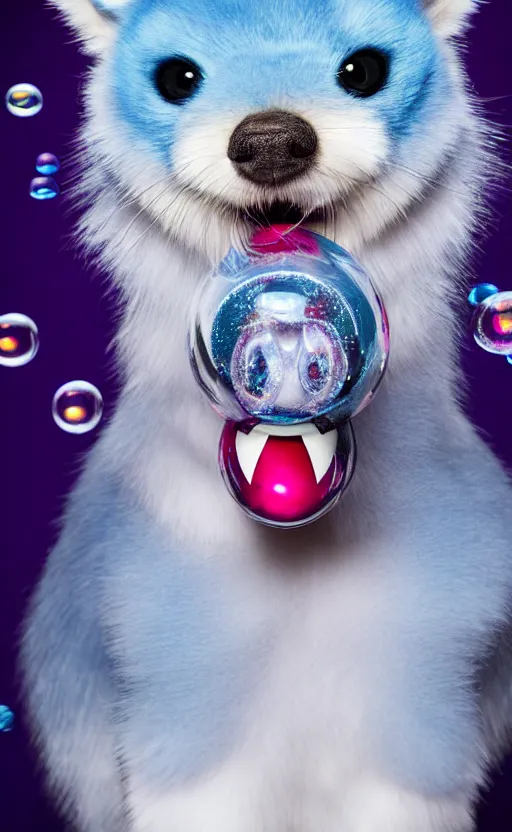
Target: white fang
{"type": "Point", "coordinates": [321, 448]}
{"type": "Point", "coordinates": [249, 447]}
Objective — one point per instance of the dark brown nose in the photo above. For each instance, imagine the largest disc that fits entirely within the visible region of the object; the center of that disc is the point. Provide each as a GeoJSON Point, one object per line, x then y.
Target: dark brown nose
{"type": "Point", "coordinates": [273, 147]}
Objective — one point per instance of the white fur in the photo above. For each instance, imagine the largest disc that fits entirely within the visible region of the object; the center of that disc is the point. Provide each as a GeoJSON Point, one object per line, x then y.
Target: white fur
{"type": "Point", "coordinates": [450, 17]}
{"type": "Point", "coordinates": [370, 805]}
{"type": "Point", "coordinates": [95, 29]}
{"type": "Point", "coordinates": [352, 147]}
{"type": "Point", "coordinates": [304, 764]}
{"type": "Point", "coordinates": [343, 634]}
{"type": "Point", "coordinates": [377, 805]}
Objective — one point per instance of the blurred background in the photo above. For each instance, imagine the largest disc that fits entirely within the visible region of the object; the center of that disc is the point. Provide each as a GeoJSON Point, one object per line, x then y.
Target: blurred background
{"type": "Point", "coordinates": [41, 276]}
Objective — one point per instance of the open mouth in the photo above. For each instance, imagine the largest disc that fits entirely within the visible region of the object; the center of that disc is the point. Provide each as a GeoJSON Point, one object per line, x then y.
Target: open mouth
{"type": "Point", "coordinates": [286, 474]}
{"type": "Point", "coordinates": [284, 213]}
{"type": "Point", "coordinates": [319, 448]}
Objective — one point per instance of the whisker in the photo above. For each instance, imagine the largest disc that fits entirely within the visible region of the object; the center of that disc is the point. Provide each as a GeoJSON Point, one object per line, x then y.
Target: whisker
{"type": "Point", "coordinates": [143, 210]}
{"type": "Point", "coordinates": [184, 188]}
{"type": "Point", "coordinates": [126, 204]}
{"type": "Point", "coordinates": [371, 185]}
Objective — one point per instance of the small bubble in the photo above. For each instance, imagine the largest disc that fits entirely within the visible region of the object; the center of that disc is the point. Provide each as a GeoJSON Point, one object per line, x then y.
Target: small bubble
{"type": "Point", "coordinates": [19, 340]}
{"type": "Point", "coordinates": [6, 719]}
{"type": "Point", "coordinates": [44, 187]}
{"type": "Point", "coordinates": [492, 324]}
{"type": "Point", "coordinates": [24, 100]}
{"type": "Point", "coordinates": [77, 407]}
{"type": "Point", "coordinates": [47, 164]}
{"type": "Point", "coordinates": [481, 292]}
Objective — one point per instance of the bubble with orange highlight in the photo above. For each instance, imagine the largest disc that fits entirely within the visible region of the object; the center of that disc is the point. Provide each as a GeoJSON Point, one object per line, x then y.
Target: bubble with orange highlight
{"type": "Point", "coordinates": [492, 324]}
{"type": "Point", "coordinates": [77, 407]}
{"type": "Point", "coordinates": [19, 340]}
{"type": "Point", "coordinates": [24, 100]}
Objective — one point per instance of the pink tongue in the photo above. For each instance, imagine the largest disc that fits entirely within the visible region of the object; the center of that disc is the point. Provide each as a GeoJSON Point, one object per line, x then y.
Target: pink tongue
{"type": "Point", "coordinates": [284, 484]}
{"type": "Point", "coordinates": [279, 238]}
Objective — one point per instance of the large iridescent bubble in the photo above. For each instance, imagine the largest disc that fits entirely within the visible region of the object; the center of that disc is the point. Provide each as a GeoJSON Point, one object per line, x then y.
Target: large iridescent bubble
{"type": "Point", "coordinates": [289, 336]}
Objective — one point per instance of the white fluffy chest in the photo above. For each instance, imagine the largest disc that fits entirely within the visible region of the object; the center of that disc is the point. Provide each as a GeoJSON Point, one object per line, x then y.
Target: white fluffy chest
{"type": "Point", "coordinates": [302, 758]}
{"type": "Point", "coordinates": [291, 741]}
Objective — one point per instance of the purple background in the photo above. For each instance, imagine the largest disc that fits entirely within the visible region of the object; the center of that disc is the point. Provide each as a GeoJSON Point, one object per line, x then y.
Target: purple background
{"type": "Point", "coordinates": [41, 276]}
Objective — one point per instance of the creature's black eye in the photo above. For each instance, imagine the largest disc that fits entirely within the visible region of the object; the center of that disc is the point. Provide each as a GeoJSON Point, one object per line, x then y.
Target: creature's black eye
{"type": "Point", "coordinates": [364, 73]}
{"type": "Point", "coordinates": [178, 79]}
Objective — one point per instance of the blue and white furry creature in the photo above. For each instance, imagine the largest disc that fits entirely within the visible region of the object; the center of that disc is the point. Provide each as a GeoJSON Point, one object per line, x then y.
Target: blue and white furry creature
{"type": "Point", "coordinates": [187, 670]}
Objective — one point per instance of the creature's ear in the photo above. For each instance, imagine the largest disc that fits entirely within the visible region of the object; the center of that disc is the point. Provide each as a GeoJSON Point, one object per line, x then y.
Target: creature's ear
{"type": "Point", "coordinates": [93, 20]}
{"type": "Point", "coordinates": [450, 17]}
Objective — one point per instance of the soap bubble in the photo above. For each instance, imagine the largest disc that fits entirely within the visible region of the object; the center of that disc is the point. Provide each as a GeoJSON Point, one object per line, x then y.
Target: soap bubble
{"type": "Point", "coordinates": [481, 292]}
{"type": "Point", "coordinates": [44, 187]}
{"type": "Point", "coordinates": [77, 407]}
{"type": "Point", "coordinates": [24, 100]}
{"type": "Point", "coordinates": [19, 340]}
{"type": "Point", "coordinates": [6, 719]}
{"type": "Point", "coordinates": [47, 164]}
{"type": "Point", "coordinates": [492, 324]}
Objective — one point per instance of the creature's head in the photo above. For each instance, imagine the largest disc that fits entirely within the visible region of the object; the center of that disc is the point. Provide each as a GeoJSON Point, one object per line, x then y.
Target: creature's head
{"type": "Point", "coordinates": [216, 115]}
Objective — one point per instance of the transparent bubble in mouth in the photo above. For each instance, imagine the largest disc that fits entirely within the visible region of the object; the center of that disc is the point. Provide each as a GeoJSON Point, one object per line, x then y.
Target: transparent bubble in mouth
{"type": "Point", "coordinates": [288, 334]}
{"type": "Point", "coordinates": [24, 100]}
{"type": "Point", "coordinates": [77, 407]}
{"type": "Point", "coordinates": [19, 340]}
{"type": "Point", "coordinates": [288, 340]}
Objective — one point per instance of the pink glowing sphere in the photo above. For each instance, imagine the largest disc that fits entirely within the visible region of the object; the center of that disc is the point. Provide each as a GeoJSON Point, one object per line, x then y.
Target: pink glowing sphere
{"type": "Point", "coordinates": [286, 475]}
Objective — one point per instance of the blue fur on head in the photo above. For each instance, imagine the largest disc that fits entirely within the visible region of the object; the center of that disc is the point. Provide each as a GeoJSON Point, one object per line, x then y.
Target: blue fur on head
{"type": "Point", "coordinates": [254, 54]}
